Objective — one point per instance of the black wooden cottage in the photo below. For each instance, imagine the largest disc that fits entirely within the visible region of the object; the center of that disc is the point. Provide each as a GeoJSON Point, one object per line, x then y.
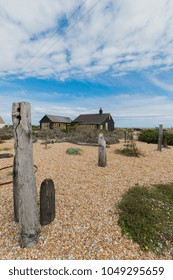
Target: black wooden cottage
{"type": "Point", "coordinates": [49, 121]}
{"type": "Point", "coordinates": [99, 121]}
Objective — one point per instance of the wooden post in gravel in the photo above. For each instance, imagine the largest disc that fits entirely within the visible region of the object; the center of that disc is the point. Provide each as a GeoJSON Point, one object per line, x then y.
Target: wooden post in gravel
{"type": "Point", "coordinates": [101, 151]}
{"type": "Point", "coordinates": [125, 136]}
{"type": "Point", "coordinates": [160, 138]}
{"type": "Point", "coordinates": [47, 202]}
{"type": "Point", "coordinates": [24, 187]}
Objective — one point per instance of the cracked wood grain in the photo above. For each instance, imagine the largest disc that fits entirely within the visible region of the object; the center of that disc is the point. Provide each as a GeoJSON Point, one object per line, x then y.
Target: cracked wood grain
{"type": "Point", "coordinates": [24, 187]}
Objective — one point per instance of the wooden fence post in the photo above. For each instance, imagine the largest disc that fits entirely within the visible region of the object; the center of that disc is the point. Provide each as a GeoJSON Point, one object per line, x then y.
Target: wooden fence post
{"type": "Point", "coordinates": [160, 138]}
{"type": "Point", "coordinates": [101, 151]}
{"type": "Point", "coordinates": [24, 187]}
{"type": "Point", "coordinates": [47, 202]}
{"type": "Point", "coordinates": [125, 136]}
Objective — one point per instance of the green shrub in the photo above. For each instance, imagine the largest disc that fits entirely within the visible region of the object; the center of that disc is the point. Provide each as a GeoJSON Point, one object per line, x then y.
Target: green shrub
{"type": "Point", "coordinates": [74, 151]}
{"type": "Point", "coordinates": [35, 128]}
{"type": "Point", "coordinates": [146, 216]}
{"type": "Point", "coordinates": [6, 133]}
{"type": "Point", "coordinates": [6, 137]}
{"type": "Point", "coordinates": [149, 136]}
{"type": "Point", "coordinates": [169, 137]}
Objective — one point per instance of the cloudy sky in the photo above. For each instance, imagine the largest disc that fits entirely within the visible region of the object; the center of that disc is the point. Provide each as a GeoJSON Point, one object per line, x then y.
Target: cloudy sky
{"type": "Point", "coordinates": [72, 57]}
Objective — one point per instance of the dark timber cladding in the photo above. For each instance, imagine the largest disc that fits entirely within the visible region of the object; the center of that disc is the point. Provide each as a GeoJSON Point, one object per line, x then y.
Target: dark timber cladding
{"type": "Point", "coordinates": [50, 121]}
{"type": "Point", "coordinates": [99, 121]}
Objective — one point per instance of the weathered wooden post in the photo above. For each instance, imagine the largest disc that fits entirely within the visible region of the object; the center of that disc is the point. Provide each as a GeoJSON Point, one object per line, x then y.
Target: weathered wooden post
{"type": "Point", "coordinates": [24, 187]}
{"type": "Point", "coordinates": [47, 202]}
{"type": "Point", "coordinates": [101, 151]}
{"type": "Point", "coordinates": [125, 136]}
{"type": "Point", "coordinates": [165, 143]}
{"type": "Point", "coordinates": [160, 138]}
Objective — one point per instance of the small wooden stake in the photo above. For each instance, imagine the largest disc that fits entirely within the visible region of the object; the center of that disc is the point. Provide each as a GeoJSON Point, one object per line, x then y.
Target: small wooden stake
{"type": "Point", "coordinates": [101, 151]}
{"type": "Point", "coordinates": [24, 187]}
{"type": "Point", "coordinates": [47, 202]}
{"type": "Point", "coordinates": [160, 138]}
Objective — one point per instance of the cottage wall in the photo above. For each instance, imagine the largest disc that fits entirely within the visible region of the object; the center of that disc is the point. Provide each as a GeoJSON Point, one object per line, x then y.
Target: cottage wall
{"type": "Point", "coordinates": [46, 124]}
{"type": "Point", "coordinates": [108, 124]}
{"type": "Point", "coordinates": [58, 125]}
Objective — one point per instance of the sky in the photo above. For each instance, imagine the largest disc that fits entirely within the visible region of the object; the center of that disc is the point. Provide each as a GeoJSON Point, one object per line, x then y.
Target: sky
{"type": "Point", "coordinates": [72, 57]}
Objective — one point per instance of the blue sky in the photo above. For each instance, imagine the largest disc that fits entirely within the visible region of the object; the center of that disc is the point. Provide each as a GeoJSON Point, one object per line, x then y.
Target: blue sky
{"type": "Point", "coordinates": [114, 54]}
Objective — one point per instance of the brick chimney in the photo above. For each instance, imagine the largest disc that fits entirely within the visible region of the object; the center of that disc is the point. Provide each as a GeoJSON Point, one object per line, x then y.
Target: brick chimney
{"type": "Point", "coordinates": [101, 111]}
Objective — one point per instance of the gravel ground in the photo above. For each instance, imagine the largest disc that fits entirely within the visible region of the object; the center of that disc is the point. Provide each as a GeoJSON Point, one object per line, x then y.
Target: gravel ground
{"type": "Point", "coordinates": [85, 226]}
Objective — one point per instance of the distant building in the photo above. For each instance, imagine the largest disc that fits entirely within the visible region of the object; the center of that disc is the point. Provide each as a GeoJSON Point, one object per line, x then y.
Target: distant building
{"type": "Point", "coordinates": [98, 121]}
{"type": "Point", "coordinates": [49, 121]}
{"type": "Point", "coordinates": [2, 123]}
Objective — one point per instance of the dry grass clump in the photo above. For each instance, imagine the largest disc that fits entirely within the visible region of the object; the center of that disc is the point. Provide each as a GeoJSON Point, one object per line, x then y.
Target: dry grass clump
{"type": "Point", "coordinates": [131, 150]}
{"type": "Point", "coordinates": [4, 149]}
{"type": "Point", "coordinates": [77, 134]}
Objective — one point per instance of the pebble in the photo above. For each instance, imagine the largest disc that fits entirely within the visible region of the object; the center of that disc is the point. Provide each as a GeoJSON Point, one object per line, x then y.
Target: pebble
{"type": "Point", "coordinates": [86, 222]}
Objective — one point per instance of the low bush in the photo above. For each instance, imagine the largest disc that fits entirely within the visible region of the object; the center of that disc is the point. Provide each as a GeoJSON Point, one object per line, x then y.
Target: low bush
{"type": "Point", "coordinates": [146, 216]}
{"type": "Point", "coordinates": [169, 138]}
{"type": "Point", "coordinates": [6, 133]}
{"type": "Point", "coordinates": [151, 136]}
{"type": "Point", "coordinates": [74, 151]}
{"type": "Point", "coordinates": [2, 141]}
{"type": "Point", "coordinates": [130, 151]}
{"type": "Point", "coordinates": [90, 135]}
{"type": "Point", "coordinates": [35, 128]}
{"type": "Point", "coordinates": [77, 134]}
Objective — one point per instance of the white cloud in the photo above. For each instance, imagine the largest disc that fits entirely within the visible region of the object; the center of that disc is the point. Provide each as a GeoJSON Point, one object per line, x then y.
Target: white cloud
{"type": "Point", "coordinates": [161, 84]}
{"type": "Point", "coordinates": [122, 34]}
{"type": "Point", "coordinates": [128, 110]}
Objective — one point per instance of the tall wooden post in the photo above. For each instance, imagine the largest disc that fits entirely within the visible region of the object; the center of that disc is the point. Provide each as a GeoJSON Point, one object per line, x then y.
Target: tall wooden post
{"type": "Point", "coordinates": [160, 138]}
{"type": "Point", "coordinates": [24, 187]}
{"type": "Point", "coordinates": [101, 151]}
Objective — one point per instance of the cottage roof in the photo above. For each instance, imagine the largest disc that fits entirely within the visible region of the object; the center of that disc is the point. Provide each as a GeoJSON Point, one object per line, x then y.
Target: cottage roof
{"type": "Point", "coordinates": [59, 119]}
{"type": "Point", "coordinates": [91, 118]}
{"type": "Point", "coordinates": [1, 120]}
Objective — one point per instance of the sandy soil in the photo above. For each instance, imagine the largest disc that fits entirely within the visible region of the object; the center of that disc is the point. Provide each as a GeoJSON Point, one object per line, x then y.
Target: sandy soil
{"type": "Point", "coordinates": [85, 226]}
